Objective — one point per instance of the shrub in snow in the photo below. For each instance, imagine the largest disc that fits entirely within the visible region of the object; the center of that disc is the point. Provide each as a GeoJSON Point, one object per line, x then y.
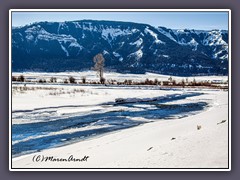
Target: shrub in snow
{"type": "Point", "coordinates": [183, 83]}
{"type": "Point", "coordinates": [165, 83]}
{"type": "Point", "coordinates": [174, 83]}
{"type": "Point", "coordinates": [149, 82]}
{"type": "Point", "coordinates": [83, 79]}
{"type": "Point", "coordinates": [199, 127]}
{"type": "Point", "coordinates": [205, 83]}
{"type": "Point", "coordinates": [21, 78]}
{"type": "Point", "coordinates": [113, 81]}
{"type": "Point", "coordinates": [42, 81]}
{"type": "Point", "coordinates": [156, 82]}
{"type": "Point", "coordinates": [14, 78]}
{"type": "Point", "coordinates": [53, 80]}
{"type": "Point", "coordinates": [72, 79]}
{"type": "Point", "coordinates": [128, 82]}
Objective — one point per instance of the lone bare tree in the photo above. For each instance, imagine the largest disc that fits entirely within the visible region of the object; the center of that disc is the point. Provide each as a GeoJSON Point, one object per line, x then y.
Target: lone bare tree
{"type": "Point", "coordinates": [99, 66]}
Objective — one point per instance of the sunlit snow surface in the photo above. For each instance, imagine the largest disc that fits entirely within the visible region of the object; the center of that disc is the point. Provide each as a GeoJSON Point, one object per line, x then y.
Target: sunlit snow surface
{"type": "Point", "coordinates": [51, 115]}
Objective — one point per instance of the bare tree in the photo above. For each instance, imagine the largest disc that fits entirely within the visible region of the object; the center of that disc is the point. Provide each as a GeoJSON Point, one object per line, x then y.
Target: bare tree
{"type": "Point", "coordinates": [99, 66]}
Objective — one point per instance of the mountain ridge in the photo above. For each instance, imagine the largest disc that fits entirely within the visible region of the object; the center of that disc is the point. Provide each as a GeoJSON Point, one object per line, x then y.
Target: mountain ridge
{"type": "Point", "coordinates": [126, 46]}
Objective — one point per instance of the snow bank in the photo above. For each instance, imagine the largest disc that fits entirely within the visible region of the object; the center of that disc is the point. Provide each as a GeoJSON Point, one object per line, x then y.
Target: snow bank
{"type": "Point", "coordinates": [160, 144]}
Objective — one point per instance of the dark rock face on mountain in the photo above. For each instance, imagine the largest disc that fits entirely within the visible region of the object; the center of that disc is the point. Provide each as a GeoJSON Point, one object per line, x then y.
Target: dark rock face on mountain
{"type": "Point", "coordinates": [127, 47]}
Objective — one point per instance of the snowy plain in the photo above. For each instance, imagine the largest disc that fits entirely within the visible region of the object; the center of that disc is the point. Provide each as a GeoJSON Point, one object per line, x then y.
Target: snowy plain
{"type": "Point", "coordinates": [91, 76]}
{"type": "Point", "coordinates": [64, 119]}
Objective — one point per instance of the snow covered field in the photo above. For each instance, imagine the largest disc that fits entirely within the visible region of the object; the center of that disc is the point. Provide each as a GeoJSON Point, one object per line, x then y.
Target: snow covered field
{"type": "Point", "coordinates": [158, 131]}
{"type": "Point", "coordinates": [91, 76]}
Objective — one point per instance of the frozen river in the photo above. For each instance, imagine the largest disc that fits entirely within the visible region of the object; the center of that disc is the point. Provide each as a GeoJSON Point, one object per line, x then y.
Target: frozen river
{"type": "Point", "coordinates": [47, 129]}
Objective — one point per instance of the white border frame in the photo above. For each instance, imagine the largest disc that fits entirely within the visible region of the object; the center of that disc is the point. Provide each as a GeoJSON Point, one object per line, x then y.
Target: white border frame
{"type": "Point", "coordinates": [121, 10]}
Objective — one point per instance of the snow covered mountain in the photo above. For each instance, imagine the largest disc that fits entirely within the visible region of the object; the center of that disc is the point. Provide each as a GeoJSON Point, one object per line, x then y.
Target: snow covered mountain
{"type": "Point", "coordinates": [127, 47]}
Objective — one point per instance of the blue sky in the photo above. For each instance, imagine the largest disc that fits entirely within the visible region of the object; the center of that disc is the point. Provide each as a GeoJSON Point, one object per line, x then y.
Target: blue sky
{"type": "Point", "coordinates": [175, 20]}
